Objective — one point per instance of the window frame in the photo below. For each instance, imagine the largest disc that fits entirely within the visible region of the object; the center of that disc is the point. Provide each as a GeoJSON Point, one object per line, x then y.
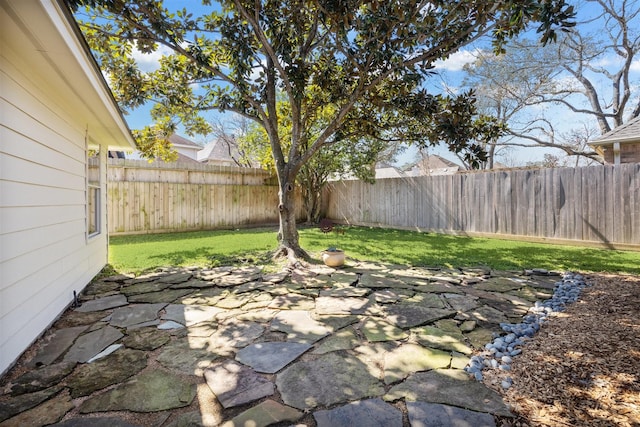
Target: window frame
{"type": "Point", "coordinates": [94, 192]}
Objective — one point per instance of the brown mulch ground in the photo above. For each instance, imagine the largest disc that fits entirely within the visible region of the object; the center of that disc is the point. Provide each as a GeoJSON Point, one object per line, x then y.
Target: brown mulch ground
{"type": "Point", "coordinates": [583, 367]}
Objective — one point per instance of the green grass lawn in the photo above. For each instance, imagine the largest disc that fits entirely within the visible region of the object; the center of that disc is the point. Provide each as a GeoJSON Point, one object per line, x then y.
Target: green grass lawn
{"type": "Point", "coordinates": [138, 253]}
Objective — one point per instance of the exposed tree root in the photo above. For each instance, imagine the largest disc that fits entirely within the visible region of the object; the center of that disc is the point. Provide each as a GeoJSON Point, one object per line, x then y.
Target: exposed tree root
{"type": "Point", "coordinates": [296, 257]}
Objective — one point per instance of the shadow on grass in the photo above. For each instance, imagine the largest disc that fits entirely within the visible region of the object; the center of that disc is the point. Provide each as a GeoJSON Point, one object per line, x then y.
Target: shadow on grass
{"type": "Point", "coordinates": [426, 249]}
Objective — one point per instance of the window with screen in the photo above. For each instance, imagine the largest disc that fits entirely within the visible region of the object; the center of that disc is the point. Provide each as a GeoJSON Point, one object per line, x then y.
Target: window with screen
{"type": "Point", "coordinates": [93, 193]}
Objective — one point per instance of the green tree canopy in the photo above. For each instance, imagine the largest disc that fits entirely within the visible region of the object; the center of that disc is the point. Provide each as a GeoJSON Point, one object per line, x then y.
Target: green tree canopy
{"type": "Point", "coordinates": [368, 60]}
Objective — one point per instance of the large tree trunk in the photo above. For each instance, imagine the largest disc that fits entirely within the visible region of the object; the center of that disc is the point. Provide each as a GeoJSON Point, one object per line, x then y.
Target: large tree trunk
{"type": "Point", "coordinates": [288, 239]}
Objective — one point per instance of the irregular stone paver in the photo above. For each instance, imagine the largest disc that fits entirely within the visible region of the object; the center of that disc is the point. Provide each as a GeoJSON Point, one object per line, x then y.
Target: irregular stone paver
{"type": "Point", "coordinates": [170, 325]}
{"type": "Point", "coordinates": [344, 305]}
{"type": "Point", "coordinates": [41, 378]}
{"type": "Point", "coordinates": [193, 284]}
{"type": "Point", "coordinates": [335, 322]}
{"type": "Point", "coordinates": [46, 413]}
{"type": "Point", "coordinates": [235, 334]}
{"type": "Point", "coordinates": [215, 273]}
{"type": "Point", "coordinates": [92, 343]}
{"type": "Point", "coordinates": [71, 319]}
{"type": "Point", "coordinates": [168, 295]}
{"type": "Point", "coordinates": [18, 404]}
{"type": "Point", "coordinates": [409, 358]}
{"type": "Point", "coordinates": [203, 297]}
{"type": "Point", "coordinates": [202, 330]}
{"type": "Point", "coordinates": [189, 356]}
{"type": "Point", "coordinates": [146, 339]}
{"type": "Point", "coordinates": [264, 414]}
{"type": "Point", "coordinates": [407, 316]}
{"type": "Point", "coordinates": [485, 315]}
{"type": "Point", "coordinates": [432, 336]}
{"type": "Point", "coordinates": [439, 288]}
{"type": "Point", "coordinates": [174, 278]}
{"type": "Point", "coordinates": [112, 369]}
{"type": "Point", "coordinates": [345, 339]}
{"type": "Point", "coordinates": [187, 419]}
{"type": "Point", "coordinates": [468, 325]}
{"type": "Point", "coordinates": [339, 278]}
{"type": "Point", "coordinates": [275, 277]}
{"type": "Point", "coordinates": [345, 292]}
{"type": "Point", "coordinates": [532, 294]}
{"type": "Point", "coordinates": [450, 387]}
{"type": "Point", "coordinates": [499, 284]}
{"type": "Point", "coordinates": [461, 302]}
{"type": "Point", "coordinates": [386, 296]}
{"type": "Point", "coordinates": [235, 384]}
{"type": "Point", "coordinates": [249, 287]}
{"type": "Point", "coordinates": [292, 302]}
{"type": "Point", "coordinates": [236, 279]}
{"type": "Point", "coordinates": [101, 304]}
{"type": "Point", "coordinates": [124, 317]}
{"type": "Point", "coordinates": [509, 308]}
{"type": "Point", "coordinates": [426, 300]}
{"type": "Point", "coordinates": [379, 330]}
{"type": "Point", "coordinates": [55, 344]}
{"type": "Point", "coordinates": [150, 391]}
{"type": "Point", "coordinates": [94, 422]}
{"type": "Point", "coordinates": [328, 380]}
{"type": "Point", "coordinates": [373, 354]}
{"type": "Point", "coordinates": [479, 337]}
{"type": "Point", "coordinates": [379, 280]}
{"type": "Point", "coordinates": [299, 326]}
{"type": "Point", "coordinates": [260, 316]}
{"type": "Point", "coordinates": [459, 360]}
{"type": "Point", "coordinates": [107, 351]}
{"type": "Point", "coordinates": [270, 357]}
{"type": "Point", "coordinates": [231, 301]}
{"type": "Point", "coordinates": [190, 315]}
{"type": "Point", "coordinates": [423, 414]}
{"type": "Point", "coordinates": [370, 413]}
{"type": "Point", "coordinates": [144, 288]}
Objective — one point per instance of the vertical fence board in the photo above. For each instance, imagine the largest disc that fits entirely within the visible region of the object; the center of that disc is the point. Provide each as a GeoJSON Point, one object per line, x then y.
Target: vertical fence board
{"type": "Point", "coordinates": [597, 204]}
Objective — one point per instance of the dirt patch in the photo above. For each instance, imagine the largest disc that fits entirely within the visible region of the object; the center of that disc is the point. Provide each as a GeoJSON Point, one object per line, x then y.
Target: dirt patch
{"type": "Point", "coordinates": [583, 367]}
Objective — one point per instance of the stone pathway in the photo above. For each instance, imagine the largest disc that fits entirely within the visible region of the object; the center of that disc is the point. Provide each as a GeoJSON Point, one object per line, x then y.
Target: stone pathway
{"type": "Point", "coordinates": [366, 345]}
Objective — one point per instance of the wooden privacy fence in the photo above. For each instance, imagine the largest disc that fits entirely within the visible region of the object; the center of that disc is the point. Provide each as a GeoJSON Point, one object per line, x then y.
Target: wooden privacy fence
{"type": "Point", "coordinates": [597, 204]}
{"type": "Point", "coordinates": [157, 197]}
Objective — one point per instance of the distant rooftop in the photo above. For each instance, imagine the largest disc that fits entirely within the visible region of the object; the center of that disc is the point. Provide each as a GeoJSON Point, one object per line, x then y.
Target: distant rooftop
{"type": "Point", "coordinates": [179, 140]}
{"type": "Point", "coordinates": [628, 132]}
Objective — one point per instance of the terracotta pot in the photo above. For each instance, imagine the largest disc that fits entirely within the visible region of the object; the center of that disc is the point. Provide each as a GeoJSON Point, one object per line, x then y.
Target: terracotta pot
{"type": "Point", "coordinates": [333, 258]}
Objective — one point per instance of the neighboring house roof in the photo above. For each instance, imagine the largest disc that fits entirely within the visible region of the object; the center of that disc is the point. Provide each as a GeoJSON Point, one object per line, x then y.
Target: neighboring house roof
{"type": "Point", "coordinates": [181, 141]}
{"type": "Point", "coordinates": [433, 161]}
{"type": "Point", "coordinates": [389, 172]}
{"type": "Point", "coordinates": [626, 133]}
{"type": "Point", "coordinates": [219, 150]}
{"type": "Point", "coordinates": [433, 164]}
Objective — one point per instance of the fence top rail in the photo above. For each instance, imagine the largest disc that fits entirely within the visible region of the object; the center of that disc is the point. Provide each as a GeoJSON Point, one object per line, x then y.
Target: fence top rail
{"type": "Point", "coordinates": [185, 166]}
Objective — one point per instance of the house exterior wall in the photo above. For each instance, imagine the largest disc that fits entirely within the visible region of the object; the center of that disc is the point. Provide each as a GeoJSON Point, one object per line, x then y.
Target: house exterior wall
{"type": "Point", "coordinates": [45, 132]}
{"type": "Point", "coordinates": [629, 153]}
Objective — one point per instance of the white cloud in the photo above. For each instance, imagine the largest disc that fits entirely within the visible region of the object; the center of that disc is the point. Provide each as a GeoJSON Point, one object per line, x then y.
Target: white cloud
{"type": "Point", "coordinates": [150, 61]}
{"type": "Point", "coordinates": [458, 60]}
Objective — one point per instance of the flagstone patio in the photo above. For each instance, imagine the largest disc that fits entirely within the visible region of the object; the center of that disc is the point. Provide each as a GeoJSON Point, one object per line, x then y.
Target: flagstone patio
{"type": "Point", "coordinates": [365, 345]}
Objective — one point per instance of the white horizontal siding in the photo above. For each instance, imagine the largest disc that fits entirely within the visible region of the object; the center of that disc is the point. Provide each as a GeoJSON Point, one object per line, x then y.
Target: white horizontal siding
{"type": "Point", "coordinates": [44, 252]}
{"type": "Point", "coordinates": [27, 321]}
{"type": "Point", "coordinates": [26, 243]}
{"type": "Point", "coordinates": [25, 218]}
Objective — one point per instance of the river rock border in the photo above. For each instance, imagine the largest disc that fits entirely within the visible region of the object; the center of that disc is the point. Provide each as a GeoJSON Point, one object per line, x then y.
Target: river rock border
{"type": "Point", "coordinates": [499, 353]}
